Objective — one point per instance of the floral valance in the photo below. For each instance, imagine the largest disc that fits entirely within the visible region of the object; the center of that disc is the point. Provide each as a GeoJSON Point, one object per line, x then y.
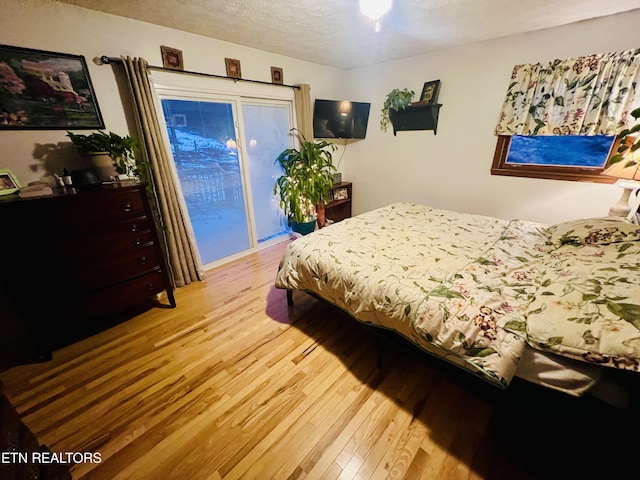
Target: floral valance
{"type": "Point", "coordinates": [590, 95]}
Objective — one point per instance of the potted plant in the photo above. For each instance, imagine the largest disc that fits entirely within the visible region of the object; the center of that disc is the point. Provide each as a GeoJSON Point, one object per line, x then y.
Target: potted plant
{"type": "Point", "coordinates": [305, 183]}
{"type": "Point", "coordinates": [109, 154]}
{"type": "Point", "coordinates": [396, 100]}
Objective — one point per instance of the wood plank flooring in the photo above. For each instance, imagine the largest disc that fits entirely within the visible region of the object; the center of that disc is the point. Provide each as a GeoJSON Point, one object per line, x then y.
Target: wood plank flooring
{"type": "Point", "coordinates": [233, 384]}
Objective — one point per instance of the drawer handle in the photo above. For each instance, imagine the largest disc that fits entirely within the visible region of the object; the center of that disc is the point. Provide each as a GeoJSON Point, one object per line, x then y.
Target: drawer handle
{"type": "Point", "coordinates": [137, 241]}
{"type": "Point", "coordinates": [149, 286]}
{"type": "Point", "coordinates": [134, 227]}
{"type": "Point", "coordinates": [127, 207]}
{"type": "Point", "coordinates": [143, 259]}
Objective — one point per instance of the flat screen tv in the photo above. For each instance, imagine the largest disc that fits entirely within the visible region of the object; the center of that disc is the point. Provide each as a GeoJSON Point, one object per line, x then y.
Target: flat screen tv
{"type": "Point", "coordinates": [340, 119]}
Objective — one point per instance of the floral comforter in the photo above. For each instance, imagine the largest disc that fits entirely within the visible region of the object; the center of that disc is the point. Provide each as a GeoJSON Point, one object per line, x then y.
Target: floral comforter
{"type": "Point", "coordinates": [476, 290]}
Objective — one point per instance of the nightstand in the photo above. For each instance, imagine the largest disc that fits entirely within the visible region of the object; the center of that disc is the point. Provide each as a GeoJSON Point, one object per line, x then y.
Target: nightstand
{"type": "Point", "coordinates": [339, 207]}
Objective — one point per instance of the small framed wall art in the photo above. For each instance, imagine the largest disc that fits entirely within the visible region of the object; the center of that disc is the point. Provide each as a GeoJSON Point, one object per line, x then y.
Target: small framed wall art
{"type": "Point", "coordinates": [276, 75]}
{"type": "Point", "coordinates": [8, 183]}
{"type": "Point", "coordinates": [430, 92]}
{"type": "Point", "coordinates": [42, 90]}
{"type": "Point", "coordinates": [171, 58]}
{"type": "Point", "coordinates": [233, 68]}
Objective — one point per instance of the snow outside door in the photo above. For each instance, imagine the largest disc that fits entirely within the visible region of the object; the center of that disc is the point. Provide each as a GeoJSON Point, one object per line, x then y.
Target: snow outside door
{"type": "Point", "coordinates": [227, 182]}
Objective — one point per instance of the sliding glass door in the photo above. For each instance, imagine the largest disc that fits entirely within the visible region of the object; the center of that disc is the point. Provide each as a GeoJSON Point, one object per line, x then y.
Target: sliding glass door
{"type": "Point", "coordinates": [204, 148]}
{"type": "Point", "coordinates": [224, 150]}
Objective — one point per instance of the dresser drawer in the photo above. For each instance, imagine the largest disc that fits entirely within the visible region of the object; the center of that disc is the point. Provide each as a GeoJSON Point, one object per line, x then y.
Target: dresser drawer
{"type": "Point", "coordinates": [105, 271]}
{"type": "Point", "coordinates": [118, 297]}
{"type": "Point", "coordinates": [112, 241]}
{"type": "Point", "coordinates": [97, 209]}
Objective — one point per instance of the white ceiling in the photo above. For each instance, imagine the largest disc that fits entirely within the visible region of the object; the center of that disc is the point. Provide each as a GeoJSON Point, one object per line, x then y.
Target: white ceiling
{"type": "Point", "coordinates": [335, 33]}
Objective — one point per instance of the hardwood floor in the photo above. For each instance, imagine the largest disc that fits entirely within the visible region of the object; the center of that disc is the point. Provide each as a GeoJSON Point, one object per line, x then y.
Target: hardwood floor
{"type": "Point", "coordinates": [234, 384]}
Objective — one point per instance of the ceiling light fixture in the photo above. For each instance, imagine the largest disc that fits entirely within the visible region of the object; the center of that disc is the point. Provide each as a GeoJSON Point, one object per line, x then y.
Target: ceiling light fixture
{"type": "Point", "coordinates": [375, 9]}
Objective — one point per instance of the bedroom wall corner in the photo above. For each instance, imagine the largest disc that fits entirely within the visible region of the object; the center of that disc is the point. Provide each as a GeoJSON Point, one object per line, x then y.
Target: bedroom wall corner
{"type": "Point", "coordinates": [452, 169]}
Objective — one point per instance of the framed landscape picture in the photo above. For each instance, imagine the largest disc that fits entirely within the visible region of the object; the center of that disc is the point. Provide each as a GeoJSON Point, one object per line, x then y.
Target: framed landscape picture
{"type": "Point", "coordinates": [42, 90]}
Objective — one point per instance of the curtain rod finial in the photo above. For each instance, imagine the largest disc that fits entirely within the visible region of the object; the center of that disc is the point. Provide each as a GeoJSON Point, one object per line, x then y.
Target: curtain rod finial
{"type": "Point", "coordinates": [102, 60]}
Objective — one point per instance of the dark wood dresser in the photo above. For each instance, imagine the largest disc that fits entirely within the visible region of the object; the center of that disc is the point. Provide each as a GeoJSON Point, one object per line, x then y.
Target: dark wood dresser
{"type": "Point", "coordinates": [73, 262]}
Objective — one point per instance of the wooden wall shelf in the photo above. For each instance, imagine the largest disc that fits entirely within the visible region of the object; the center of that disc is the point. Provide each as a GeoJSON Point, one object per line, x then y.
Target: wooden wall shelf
{"type": "Point", "coordinates": [417, 116]}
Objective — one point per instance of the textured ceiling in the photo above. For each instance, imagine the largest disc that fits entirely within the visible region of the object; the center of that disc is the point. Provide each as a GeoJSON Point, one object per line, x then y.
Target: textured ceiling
{"type": "Point", "coordinates": [335, 33]}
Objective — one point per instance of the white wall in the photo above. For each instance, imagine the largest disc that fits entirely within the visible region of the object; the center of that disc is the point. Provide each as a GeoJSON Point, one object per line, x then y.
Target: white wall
{"type": "Point", "coordinates": [48, 25]}
{"type": "Point", "coordinates": [452, 169]}
{"type": "Point", "coordinates": [447, 170]}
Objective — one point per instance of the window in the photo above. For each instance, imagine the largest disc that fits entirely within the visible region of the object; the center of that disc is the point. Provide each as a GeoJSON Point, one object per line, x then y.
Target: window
{"type": "Point", "coordinates": [567, 157]}
{"type": "Point", "coordinates": [568, 112]}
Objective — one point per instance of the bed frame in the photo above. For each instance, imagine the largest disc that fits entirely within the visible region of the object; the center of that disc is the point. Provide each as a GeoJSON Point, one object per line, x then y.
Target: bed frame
{"type": "Point", "coordinates": [626, 381]}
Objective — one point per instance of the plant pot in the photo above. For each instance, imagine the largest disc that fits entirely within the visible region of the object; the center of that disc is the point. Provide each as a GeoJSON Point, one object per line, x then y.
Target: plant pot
{"type": "Point", "coordinates": [101, 165]}
{"type": "Point", "coordinates": [303, 228]}
{"type": "Point", "coordinates": [321, 215]}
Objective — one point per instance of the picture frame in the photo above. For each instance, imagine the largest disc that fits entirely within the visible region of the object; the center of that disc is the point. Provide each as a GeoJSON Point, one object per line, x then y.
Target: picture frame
{"type": "Point", "coordinates": [430, 92]}
{"type": "Point", "coordinates": [45, 90]}
{"type": "Point", "coordinates": [233, 68]}
{"type": "Point", "coordinates": [8, 182]}
{"type": "Point", "coordinates": [171, 58]}
{"type": "Point", "coordinates": [277, 76]}
{"type": "Point", "coordinates": [340, 194]}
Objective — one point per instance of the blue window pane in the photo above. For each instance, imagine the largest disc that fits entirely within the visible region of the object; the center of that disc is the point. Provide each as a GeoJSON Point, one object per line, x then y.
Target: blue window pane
{"type": "Point", "coordinates": [560, 151]}
{"type": "Point", "coordinates": [204, 148]}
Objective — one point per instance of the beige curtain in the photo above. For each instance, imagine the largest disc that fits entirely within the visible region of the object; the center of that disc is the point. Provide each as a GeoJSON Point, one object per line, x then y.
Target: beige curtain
{"type": "Point", "coordinates": [180, 242]}
{"type": "Point", "coordinates": [590, 95]}
{"type": "Point", "coordinates": [304, 111]}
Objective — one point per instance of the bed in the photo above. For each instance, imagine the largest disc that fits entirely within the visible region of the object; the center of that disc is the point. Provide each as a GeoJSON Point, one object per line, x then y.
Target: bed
{"type": "Point", "coordinates": [557, 305]}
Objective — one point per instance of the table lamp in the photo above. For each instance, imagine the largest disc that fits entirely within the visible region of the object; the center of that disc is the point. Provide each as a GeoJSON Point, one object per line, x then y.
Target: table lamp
{"type": "Point", "coordinates": [627, 172]}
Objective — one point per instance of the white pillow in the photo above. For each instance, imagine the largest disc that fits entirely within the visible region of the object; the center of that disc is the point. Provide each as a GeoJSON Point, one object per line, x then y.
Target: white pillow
{"type": "Point", "coordinates": [594, 231]}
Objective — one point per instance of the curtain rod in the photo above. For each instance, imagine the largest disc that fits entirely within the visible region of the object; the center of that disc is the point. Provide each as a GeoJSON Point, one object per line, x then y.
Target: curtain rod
{"type": "Point", "coordinates": [105, 60]}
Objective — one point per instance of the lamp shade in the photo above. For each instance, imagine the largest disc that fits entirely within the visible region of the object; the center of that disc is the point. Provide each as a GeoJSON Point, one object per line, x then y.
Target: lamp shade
{"type": "Point", "coordinates": [345, 108]}
{"type": "Point", "coordinates": [628, 174]}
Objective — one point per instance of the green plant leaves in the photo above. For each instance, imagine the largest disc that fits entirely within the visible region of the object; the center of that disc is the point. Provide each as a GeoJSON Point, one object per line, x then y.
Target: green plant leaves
{"type": "Point", "coordinates": [397, 100]}
{"type": "Point", "coordinates": [121, 149]}
{"type": "Point", "coordinates": [307, 177]}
